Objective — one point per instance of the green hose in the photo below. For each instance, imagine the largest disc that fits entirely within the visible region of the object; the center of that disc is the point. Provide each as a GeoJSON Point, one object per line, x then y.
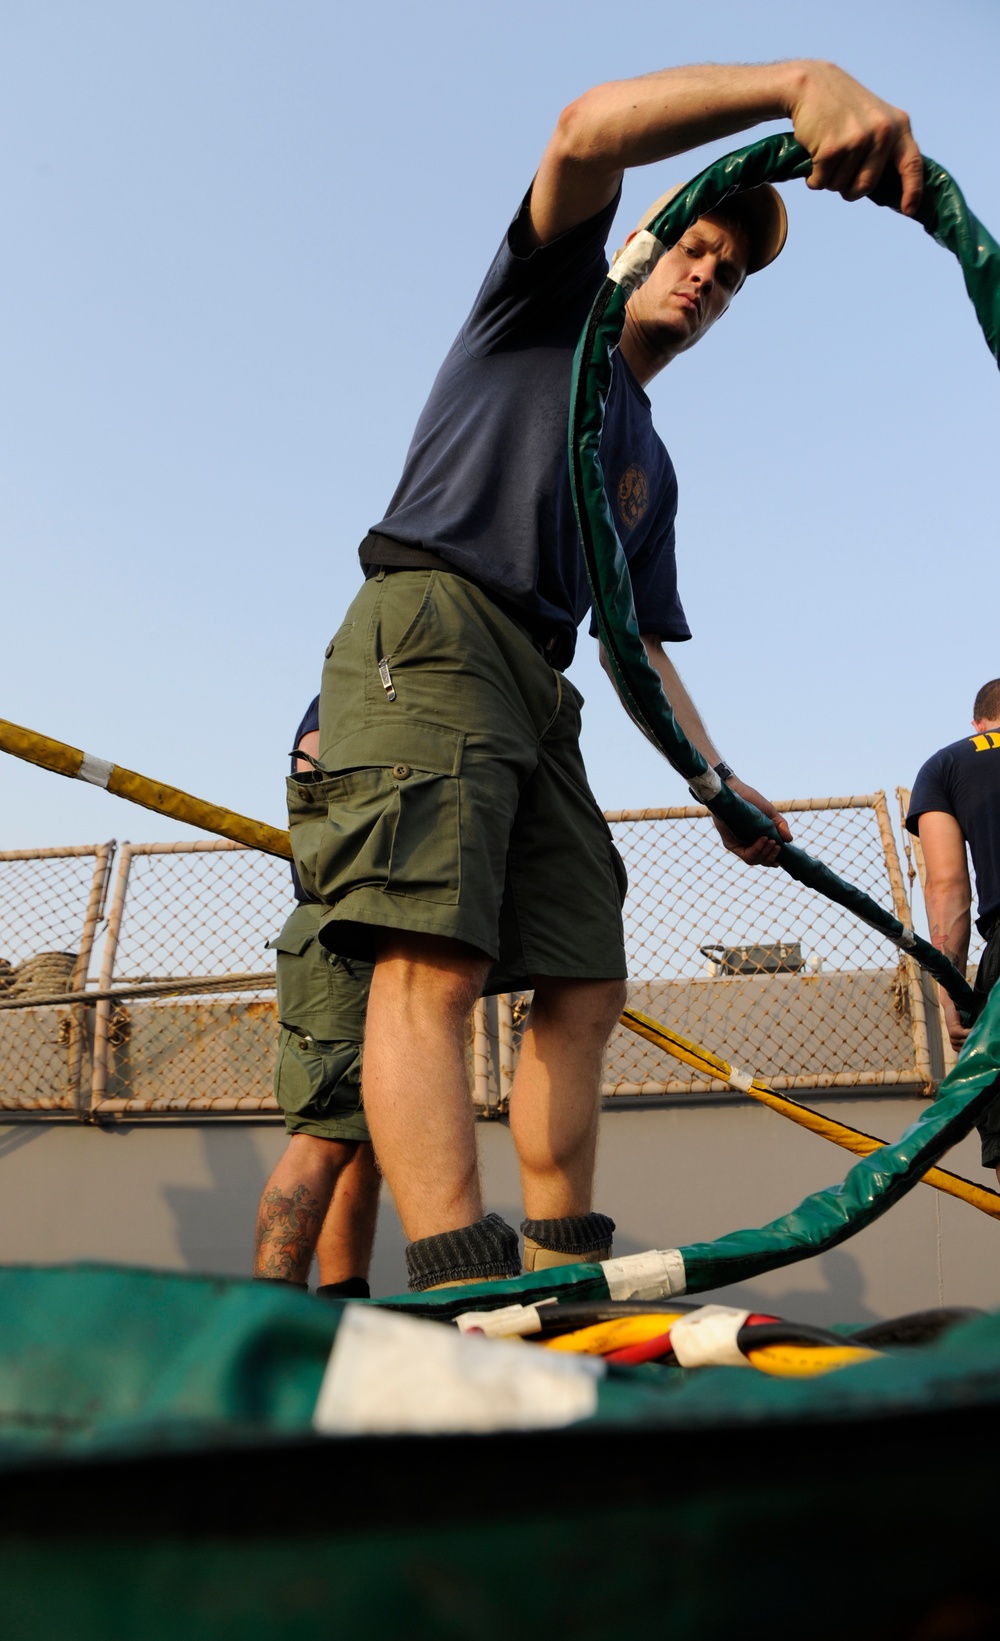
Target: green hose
{"type": "Point", "coordinates": [822, 1221]}
{"type": "Point", "coordinates": [945, 215]}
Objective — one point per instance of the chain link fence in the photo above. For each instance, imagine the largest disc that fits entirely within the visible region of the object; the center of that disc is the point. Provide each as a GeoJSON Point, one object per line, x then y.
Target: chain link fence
{"type": "Point", "coordinates": [771, 975]}
{"type": "Point", "coordinates": [137, 980]}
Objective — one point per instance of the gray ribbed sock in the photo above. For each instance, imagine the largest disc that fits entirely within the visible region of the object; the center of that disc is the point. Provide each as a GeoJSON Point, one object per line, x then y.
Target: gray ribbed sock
{"type": "Point", "coordinates": [472, 1254]}
{"type": "Point", "coordinates": [576, 1234]}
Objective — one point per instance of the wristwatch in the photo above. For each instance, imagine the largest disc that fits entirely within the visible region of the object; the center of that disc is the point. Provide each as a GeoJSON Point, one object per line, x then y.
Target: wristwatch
{"type": "Point", "coordinates": [723, 771]}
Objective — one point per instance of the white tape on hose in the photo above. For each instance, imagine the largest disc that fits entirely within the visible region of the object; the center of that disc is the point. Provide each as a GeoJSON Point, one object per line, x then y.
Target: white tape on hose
{"type": "Point", "coordinates": [510, 1322]}
{"type": "Point", "coordinates": [706, 786]}
{"type": "Point", "coordinates": [95, 770]}
{"type": "Point", "coordinates": [707, 1338]}
{"type": "Point", "coordinates": [635, 263]}
{"type": "Point", "coordinates": [907, 939]}
{"type": "Point", "coordinates": [653, 1275]}
{"type": "Point", "coordinates": [742, 1080]}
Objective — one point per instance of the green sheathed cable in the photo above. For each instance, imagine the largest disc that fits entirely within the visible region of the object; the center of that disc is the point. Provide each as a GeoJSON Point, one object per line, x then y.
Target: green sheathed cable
{"type": "Point", "coordinates": [945, 215]}
{"type": "Point", "coordinates": [822, 1221]}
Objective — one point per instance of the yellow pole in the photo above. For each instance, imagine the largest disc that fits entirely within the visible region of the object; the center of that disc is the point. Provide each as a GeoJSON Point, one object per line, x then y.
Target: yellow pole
{"type": "Point", "coordinates": [211, 817]}
{"type": "Point", "coordinates": [125, 783]}
{"type": "Point", "coordinates": [852, 1139]}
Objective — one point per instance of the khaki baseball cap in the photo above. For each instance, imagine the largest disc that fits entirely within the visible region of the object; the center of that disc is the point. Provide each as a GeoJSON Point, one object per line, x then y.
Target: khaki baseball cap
{"type": "Point", "coordinates": [760, 210]}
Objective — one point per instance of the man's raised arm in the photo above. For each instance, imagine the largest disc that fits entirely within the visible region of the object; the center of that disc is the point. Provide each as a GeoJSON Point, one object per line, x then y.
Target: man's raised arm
{"type": "Point", "coordinates": [851, 134]}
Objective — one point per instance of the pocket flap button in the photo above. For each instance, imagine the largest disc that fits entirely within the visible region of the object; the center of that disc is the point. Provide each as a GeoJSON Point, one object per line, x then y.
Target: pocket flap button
{"type": "Point", "coordinates": [400, 771]}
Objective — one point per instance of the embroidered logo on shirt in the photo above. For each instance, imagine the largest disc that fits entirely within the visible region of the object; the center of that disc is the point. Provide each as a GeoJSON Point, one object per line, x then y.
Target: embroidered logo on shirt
{"type": "Point", "coordinates": [633, 496]}
{"type": "Point", "coordinates": [990, 742]}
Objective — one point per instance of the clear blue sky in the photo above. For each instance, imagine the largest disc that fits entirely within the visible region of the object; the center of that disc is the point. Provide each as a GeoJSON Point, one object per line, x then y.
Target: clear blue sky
{"type": "Point", "coordinates": [238, 238]}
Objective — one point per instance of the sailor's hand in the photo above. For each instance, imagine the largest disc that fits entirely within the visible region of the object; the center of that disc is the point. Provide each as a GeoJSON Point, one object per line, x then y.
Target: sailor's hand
{"type": "Point", "coordinates": [764, 851]}
{"type": "Point", "coordinates": [957, 1033]}
{"type": "Point", "coordinates": [852, 135]}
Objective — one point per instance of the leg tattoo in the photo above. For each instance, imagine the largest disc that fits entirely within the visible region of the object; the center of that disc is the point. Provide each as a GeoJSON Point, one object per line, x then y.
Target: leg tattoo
{"type": "Point", "coordinates": [288, 1228]}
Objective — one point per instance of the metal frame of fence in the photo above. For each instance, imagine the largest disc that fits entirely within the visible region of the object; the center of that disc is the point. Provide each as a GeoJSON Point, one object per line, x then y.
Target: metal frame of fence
{"type": "Point", "coordinates": [97, 1024]}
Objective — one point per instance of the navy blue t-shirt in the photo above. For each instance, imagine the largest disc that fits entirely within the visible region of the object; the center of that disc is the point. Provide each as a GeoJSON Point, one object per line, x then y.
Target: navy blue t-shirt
{"type": "Point", "coordinates": [964, 780]}
{"type": "Point", "coordinates": [486, 481]}
{"type": "Point", "coordinates": [309, 724]}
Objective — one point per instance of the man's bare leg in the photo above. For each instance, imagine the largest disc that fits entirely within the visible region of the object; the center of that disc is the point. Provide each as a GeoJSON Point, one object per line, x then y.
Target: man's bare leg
{"type": "Point", "coordinates": [554, 1113]}
{"type": "Point", "coordinates": [294, 1205]}
{"type": "Point", "coordinates": [416, 1085]}
{"type": "Point", "coordinates": [344, 1249]}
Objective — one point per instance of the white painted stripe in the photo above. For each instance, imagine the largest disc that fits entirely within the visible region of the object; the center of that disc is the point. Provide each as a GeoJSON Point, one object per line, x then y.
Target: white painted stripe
{"type": "Point", "coordinates": [95, 770]}
{"type": "Point", "coordinates": [633, 266]}
{"type": "Point", "coordinates": [707, 1338]}
{"type": "Point", "coordinates": [653, 1275]}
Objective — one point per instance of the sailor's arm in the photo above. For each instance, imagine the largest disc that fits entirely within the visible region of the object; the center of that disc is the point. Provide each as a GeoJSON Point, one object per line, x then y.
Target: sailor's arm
{"type": "Point", "coordinates": [764, 852]}
{"type": "Point", "coordinates": [948, 899]}
{"type": "Point", "coordinates": [850, 133]}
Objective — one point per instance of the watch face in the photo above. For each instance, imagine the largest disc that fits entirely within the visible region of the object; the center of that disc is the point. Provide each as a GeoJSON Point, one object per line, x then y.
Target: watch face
{"type": "Point", "coordinates": [723, 771]}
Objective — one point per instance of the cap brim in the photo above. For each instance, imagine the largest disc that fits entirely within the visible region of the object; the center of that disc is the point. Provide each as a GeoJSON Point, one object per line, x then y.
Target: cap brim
{"type": "Point", "coordinates": [761, 211]}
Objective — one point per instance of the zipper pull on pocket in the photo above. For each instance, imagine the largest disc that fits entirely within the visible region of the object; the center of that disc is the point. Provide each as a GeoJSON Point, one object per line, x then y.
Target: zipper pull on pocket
{"type": "Point", "coordinates": [386, 677]}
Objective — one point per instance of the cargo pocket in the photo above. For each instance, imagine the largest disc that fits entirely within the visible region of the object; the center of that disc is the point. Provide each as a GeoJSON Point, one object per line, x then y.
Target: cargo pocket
{"type": "Point", "coordinates": [388, 818]}
{"type": "Point", "coordinates": [301, 972]}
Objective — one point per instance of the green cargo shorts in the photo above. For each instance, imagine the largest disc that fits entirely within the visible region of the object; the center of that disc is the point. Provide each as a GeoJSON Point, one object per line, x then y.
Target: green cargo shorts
{"type": "Point", "coordinates": [452, 799]}
{"type": "Point", "coordinates": [321, 1010]}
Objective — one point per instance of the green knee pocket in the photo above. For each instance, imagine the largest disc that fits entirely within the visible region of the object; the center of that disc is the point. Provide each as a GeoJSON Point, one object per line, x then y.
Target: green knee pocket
{"type": "Point", "coordinates": [318, 1086]}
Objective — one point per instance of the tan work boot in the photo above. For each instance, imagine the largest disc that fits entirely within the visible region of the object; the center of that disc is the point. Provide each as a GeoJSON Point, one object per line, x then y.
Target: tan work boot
{"type": "Point", "coordinates": [537, 1258]}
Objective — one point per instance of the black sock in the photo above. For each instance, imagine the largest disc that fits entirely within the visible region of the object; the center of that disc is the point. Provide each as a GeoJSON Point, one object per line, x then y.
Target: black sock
{"type": "Point", "coordinates": [352, 1287]}
{"type": "Point", "coordinates": [471, 1254]}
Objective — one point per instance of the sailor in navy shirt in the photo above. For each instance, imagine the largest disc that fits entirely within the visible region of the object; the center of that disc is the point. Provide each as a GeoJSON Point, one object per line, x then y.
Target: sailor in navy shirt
{"type": "Point", "coordinates": [462, 844]}
{"type": "Point", "coordinates": [485, 486]}
{"type": "Point", "coordinates": [955, 803]}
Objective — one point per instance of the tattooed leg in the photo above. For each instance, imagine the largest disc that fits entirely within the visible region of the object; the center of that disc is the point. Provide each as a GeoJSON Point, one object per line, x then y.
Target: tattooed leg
{"type": "Point", "coordinates": [294, 1204]}
{"type": "Point", "coordinates": [287, 1231]}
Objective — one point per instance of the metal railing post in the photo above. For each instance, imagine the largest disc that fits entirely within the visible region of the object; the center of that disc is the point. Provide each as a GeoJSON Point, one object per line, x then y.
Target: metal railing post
{"type": "Point", "coordinates": [901, 906]}
{"type": "Point", "coordinates": [505, 1044]}
{"type": "Point", "coordinates": [481, 1056]}
{"type": "Point", "coordinates": [105, 854]}
{"type": "Point", "coordinates": [102, 1015]}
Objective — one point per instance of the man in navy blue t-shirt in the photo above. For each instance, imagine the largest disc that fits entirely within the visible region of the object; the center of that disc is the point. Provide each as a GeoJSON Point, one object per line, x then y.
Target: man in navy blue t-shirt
{"type": "Point", "coordinates": [956, 802]}
{"type": "Point", "coordinates": [463, 849]}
